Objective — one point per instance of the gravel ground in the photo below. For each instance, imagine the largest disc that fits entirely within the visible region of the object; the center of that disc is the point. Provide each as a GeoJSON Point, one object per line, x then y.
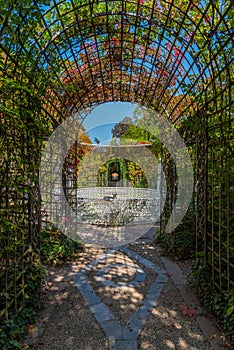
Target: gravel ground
{"type": "Point", "coordinates": [65, 321]}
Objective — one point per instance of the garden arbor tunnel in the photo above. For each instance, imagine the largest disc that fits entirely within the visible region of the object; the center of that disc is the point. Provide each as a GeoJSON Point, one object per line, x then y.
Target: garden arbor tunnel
{"type": "Point", "coordinates": [63, 58]}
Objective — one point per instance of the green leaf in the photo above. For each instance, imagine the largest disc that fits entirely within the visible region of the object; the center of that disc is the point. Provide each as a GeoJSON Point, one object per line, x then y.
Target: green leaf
{"type": "Point", "coordinates": [16, 344]}
{"type": "Point", "coordinates": [230, 310]}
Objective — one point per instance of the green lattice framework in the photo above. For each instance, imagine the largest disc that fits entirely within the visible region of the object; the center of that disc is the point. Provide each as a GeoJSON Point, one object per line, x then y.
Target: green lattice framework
{"type": "Point", "coordinates": [62, 57]}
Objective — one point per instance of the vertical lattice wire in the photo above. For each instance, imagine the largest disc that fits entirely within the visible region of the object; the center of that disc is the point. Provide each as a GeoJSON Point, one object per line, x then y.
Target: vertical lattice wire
{"type": "Point", "coordinates": [21, 144]}
{"type": "Point", "coordinates": [220, 211]}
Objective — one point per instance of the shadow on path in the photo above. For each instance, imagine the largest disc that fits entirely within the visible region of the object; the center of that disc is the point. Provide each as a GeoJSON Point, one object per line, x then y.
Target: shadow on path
{"type": "Point", "coordinates": [122, 299]}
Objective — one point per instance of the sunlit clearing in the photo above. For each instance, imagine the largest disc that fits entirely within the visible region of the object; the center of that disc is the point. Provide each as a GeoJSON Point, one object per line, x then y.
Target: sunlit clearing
{"type": "Point", "coordinates": [177, 325]}
{"type": "Point", "coordinates": [170, 344]}
{"type": "Point", "coordinates": [183, 344]}
{"type": "Point", "coordinates": [145, 345]}
{"type": "Point", "coordinates": [172, 313]}
{"type": "Point", "coordinates": [161, 314]}
{"type": "Point", "coordinates": [195, 336]}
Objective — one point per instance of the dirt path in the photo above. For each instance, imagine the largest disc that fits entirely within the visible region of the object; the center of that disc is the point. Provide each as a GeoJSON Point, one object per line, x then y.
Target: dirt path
{"type": "Point", "coordinates": [124, 299]}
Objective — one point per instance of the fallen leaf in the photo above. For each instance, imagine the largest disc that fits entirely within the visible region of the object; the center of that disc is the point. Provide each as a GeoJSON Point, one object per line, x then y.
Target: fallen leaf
{"type": "Point", "coordinates": [187, 311]}
{"type": "Point", "coordinates": [191, 312]}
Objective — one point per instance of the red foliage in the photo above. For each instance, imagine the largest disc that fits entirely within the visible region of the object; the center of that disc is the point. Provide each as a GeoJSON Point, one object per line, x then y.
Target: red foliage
{"type": "Point", "coordinates": [187, 311]}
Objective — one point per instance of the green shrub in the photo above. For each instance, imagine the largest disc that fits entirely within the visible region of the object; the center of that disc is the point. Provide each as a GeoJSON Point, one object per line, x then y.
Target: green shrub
{"type": "Point", "coordinates": [56, 247]}
{"type": "Point", "coordinates": [220, 304]}
{"type": "Point", "coordinates": [12, 329]}
{"type": "Point", "coordinates": [179, 245]}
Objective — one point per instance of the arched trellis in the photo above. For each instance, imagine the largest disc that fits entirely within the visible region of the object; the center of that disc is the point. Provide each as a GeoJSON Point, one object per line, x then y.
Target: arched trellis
{"type": "Point", "coordinates": [60, 58]}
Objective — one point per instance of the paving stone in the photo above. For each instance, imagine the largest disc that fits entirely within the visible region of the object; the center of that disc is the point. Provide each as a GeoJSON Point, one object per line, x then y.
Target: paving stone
{"type": "Point", "coordinates": [149, 302]}
{"type": "Point", "coordinates": [140, 277]}
{"type": "Point", "coordinates": [141, 314]}
{"type": "Point", "coordinates": [79, 279]}
{"type": "Point", "coordinates": [88, 293]}
{"type": "Point", "coordinates": [140, 259]}
{"type": "Point", "coordinates": [155, 290]}
{"type": "Point", "coordinates": [162, 278]}
{"type": "Point", "coordinates": [126, 345]}
{"type": "Point", "coordinates": [175, 272]}
{"type": "Point", "coordinates": [112, 329]}
{"type": "Point", "coordinates": [101, 312]}
{"type": "Point", "coordinates": [133, 329]}
{"type": "Point", "coordinates": [112, 344]}
{"type": "Point", "coordinates": [90, 297]}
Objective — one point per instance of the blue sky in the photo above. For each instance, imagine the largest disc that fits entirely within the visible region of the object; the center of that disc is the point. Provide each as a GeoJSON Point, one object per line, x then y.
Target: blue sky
{"type": "Point", "coordinates": [102, 119]}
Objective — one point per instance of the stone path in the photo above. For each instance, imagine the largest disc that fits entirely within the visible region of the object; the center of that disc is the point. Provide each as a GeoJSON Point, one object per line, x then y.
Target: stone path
{"type": "Point", "coordinates": [121, 338]}
{"type": "Point", "coordinates": [126, 298]}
